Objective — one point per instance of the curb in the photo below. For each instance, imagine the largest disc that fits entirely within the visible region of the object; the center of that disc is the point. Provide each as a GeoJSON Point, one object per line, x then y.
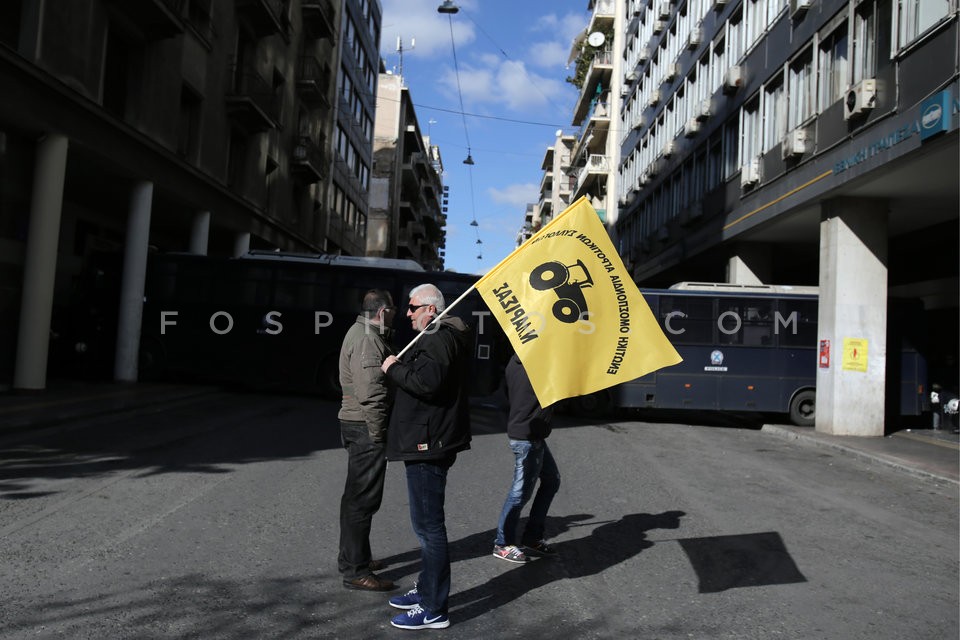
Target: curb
{"type": "Point", "coordinates": [890, 461]}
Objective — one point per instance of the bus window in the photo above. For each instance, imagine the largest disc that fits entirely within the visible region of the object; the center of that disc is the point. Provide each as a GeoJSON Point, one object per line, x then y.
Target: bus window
{"type": "Point", "coordinates": [796, 323]}
{"type": "Point", "coordinates": [745, 321]}
{"type": "Point", "coordinates": [687, 319]}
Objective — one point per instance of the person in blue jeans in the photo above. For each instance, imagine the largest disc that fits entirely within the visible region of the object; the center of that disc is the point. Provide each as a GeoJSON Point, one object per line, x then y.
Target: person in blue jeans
{"type": "Point", "coordinates": [429, 425]}
{"type": "Point", "coordinates": [528, 425]}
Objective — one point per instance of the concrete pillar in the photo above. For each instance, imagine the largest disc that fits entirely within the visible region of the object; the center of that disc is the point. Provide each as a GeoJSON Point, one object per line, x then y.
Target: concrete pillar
{"type": "Point", "coordinates": [751, 264]}
{"type": "Point", "coordinates": [130, 316]}
{"type": "Point", "coordinates": [853, 317]}
{"type": "Point", "coordinates": [241, 243]}
{"type": "Point", "coordinates": [200, 233]}
{"type": "Point", "coordinates": [40, 263]}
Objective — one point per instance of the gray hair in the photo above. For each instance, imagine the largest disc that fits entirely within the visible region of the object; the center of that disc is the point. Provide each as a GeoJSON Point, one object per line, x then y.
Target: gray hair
{"type": "Point", "coordinates": [429, 294]}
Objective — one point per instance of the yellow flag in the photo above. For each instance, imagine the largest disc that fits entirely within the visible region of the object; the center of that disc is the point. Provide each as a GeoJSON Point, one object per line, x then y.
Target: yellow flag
{"type": "Point", "coordinates": [572, 311]}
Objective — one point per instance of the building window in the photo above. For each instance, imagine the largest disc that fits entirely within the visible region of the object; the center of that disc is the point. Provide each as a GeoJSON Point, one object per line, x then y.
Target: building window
{"type": "Point", "coordinates": [914, 17]}
{"type": "Point", "coordinates": [188, 126]}
{"type": "Point", "coordinates": [865, 42]}
{"type": "Point", "coordinates": [731, 149]}
{"type": "Point", "coordinates": [774, 113]}
{"type": "Point", "coordinates": [833, 66]}
{"type": "Point", "coordinates": [803, 90]}
{"type": "Point", "coordinates": [750, 131]}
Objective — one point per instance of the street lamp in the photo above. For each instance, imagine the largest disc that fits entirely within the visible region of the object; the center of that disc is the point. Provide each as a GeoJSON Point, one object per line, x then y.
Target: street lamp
{"type": "Point", "coordinates": [448, 7]}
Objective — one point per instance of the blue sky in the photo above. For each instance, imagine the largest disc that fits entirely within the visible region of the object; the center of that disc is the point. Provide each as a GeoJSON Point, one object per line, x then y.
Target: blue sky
{"type": "Point", "coordinates": [512, 59]}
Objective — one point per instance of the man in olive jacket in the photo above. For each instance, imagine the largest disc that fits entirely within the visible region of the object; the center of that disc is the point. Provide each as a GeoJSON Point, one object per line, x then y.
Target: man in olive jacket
{"type": "Point", "coordinates": [430, 423]}
{"type": "Point", "coordinates": [363, 430]}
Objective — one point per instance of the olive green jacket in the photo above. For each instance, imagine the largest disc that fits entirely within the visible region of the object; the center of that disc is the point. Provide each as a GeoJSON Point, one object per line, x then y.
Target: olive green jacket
{"type": "Point", "coordinates": [366, 396]}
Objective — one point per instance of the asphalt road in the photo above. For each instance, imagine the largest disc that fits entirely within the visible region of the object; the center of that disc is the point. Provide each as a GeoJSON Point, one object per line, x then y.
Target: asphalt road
{"type": "Point", "coordinates": [217, 518]}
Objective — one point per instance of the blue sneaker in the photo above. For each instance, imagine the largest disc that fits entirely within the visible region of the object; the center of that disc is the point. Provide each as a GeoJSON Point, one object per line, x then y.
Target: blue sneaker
{"type": "Point", "coordinates": [409, 600]}
{"type": "Point", "coordinates": [420, 618]}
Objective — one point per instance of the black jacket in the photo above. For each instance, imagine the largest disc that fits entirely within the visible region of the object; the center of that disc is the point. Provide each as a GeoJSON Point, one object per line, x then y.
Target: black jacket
{"type": "Point", "coordinates": [526, 419]}
{"type": "Point", "coordinates": [431, 414]}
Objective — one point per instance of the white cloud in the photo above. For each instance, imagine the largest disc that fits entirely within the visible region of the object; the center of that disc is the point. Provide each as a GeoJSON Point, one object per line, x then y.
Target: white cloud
{"type": "Point", "coordinates": [418, 20]}
{"type": "Point", "coordinates": [516, 195]}
{"type": "Point", "coordinates": [502, 82]}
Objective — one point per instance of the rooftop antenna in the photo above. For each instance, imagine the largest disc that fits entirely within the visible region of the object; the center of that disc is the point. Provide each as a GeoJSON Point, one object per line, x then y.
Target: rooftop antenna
{"type": "Point", "coordinates": [413, 43]}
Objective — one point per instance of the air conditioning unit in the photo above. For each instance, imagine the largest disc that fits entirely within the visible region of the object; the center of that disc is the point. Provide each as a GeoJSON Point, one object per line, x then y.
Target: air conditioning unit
{"type": "Point", "coordinates": [652, 169]}
{"type": "Point", "coordinates": [705, 109]}
{"type": "Point", "coordinates": [664, 8]}
{"type": "Point", "coordinates": [671, 72]}
{"type": "Point", "coordinates": [799, 7]}
{"type": "Point", "coordinates": [750, 173]}
{"type": "Point", "coordinates": [794, 144]}
{"type": "Point", "coordinates": [654, 99]}
{"type": "Point", "coordinates": [696, 37]}
{"type": "Point", "coordinates": [668, 149]}
{"type": "Point", "coordinates": [643, 179]}
{"type": "Point", "coordinates": [692, 128]}
{"type": "Point", "coordinates": [630, 76]}
{"type": "Point", "coordinates": [659, 26]}
{"type": "Point", "coordinates": [860, 98]}
{"type": "Point", "coordinates": [732, 79]}
{"type": "Point", "coordinates": [644, 54]}
{"type": "Point", "coordinates": [625, 90]}
{"type": "Point", "coordinates": [639, 122]}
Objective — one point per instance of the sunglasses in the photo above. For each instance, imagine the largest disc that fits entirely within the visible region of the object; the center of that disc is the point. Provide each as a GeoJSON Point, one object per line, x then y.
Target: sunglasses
{"type": "Point", "coordinates": [413, 307]}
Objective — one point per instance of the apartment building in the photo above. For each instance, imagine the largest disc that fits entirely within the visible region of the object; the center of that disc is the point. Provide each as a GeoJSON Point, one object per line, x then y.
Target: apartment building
{"type": "Point", "coordinates": [598, 76]}
{"type": "Point", "coordinates": [790, 142]}
{"type": "Point", "coordinates": [559, 180]}
{"type": "Point", "coordinates": [408, 201]}
{"type": "Point", "coordinates": [173, 125]}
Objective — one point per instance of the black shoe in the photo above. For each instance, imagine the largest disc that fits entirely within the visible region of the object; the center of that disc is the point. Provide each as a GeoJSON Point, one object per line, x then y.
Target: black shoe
{"type": "Point", "coordinates": [370, 583]}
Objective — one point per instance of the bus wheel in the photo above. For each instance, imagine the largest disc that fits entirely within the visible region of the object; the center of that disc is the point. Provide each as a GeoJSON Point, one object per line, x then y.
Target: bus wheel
{"type": "Point", "coordinates": [548, 275]}
{"type": "Point", "coordinates": [591, 405]}
{"type": "Point", "coordinates": [803, 408]}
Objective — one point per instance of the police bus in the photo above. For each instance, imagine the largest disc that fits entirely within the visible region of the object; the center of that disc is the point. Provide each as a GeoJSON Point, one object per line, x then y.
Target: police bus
{"type": "Point", "coordinates": [267, 319]}
{"type": "Point", "coordinates": [754, 349]}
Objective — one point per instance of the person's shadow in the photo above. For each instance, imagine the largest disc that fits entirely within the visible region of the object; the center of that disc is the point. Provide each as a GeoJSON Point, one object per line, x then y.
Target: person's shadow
{"type": "Point", "coordinates": [609, 544]}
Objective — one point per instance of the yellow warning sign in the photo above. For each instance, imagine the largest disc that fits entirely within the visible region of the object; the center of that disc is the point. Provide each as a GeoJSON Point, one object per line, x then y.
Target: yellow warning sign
{"type": "Point", "coordinates": [854, 354]}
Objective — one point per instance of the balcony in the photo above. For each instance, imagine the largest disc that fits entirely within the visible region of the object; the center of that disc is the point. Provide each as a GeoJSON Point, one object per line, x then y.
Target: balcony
{"type": "Point", "coordinates": [307, 164]}
{"type": "Point", "coordinates": [251, 102]}
{"type": "Point", "coordinates": [604, 13]}
{"type": "Point", "coordinates": [319, 19]}
{"type": "Point", "coordinates": [597, 167]}
{"type": "Point", "coordinates": [263, 18]}
{"type": "Point", "coordinates": [154, 19]}
{"type": "Point", "coordinates": [601, 67]}
{"type": "Point", "coordinates": [313, 82]}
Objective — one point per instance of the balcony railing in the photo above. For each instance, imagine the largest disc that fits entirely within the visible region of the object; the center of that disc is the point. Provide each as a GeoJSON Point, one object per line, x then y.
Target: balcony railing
{"type": "Point", "coordinates": [263, 17]}
{"type": "Point", "coordinates": [597, 165]}
{"type": "Point", "coordinates": [318, 18]}
{"type": "Point", "coordinates": [251, 101]}
{"type": "Point", "coordinates": [156, 19]}
{"type": "Point", "coordinates": [313, 82]}
{"type": "Point", "coordinates": [308, 160]}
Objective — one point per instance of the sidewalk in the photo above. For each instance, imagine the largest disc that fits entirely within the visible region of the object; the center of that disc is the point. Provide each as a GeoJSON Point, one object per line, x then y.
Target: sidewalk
{"type": "Point", "coordinates": [920, 452]}
{"type": "Point", "coordinates": [924, 452]}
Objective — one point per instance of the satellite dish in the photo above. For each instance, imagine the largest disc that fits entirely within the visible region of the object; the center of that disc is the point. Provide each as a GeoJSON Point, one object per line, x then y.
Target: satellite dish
{"type": "Point", "coordinates": [596, 39]}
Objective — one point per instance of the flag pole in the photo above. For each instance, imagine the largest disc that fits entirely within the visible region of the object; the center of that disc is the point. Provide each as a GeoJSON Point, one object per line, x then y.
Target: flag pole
{"type": "Point", "coordinates": [442, 314]}
{"type": "Point", "coordinates": [474, 285]}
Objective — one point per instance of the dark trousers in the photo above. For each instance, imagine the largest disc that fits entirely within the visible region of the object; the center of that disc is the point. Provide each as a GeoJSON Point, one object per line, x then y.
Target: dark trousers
{"type": "Point", "coordinates": [427, 486]}
{"type": "Point", "coordinates": [362, 495]}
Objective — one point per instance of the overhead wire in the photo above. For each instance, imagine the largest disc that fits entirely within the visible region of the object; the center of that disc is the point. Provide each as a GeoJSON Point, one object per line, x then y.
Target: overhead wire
{"type": "Point", "coordinates": [469, 160]}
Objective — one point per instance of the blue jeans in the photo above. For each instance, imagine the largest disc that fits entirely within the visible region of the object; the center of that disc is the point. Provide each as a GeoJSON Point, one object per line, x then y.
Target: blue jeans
{"type": "Point", "coordinates": [427, 486]}
{"type": "Point", "coordinates": [533, 461]}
